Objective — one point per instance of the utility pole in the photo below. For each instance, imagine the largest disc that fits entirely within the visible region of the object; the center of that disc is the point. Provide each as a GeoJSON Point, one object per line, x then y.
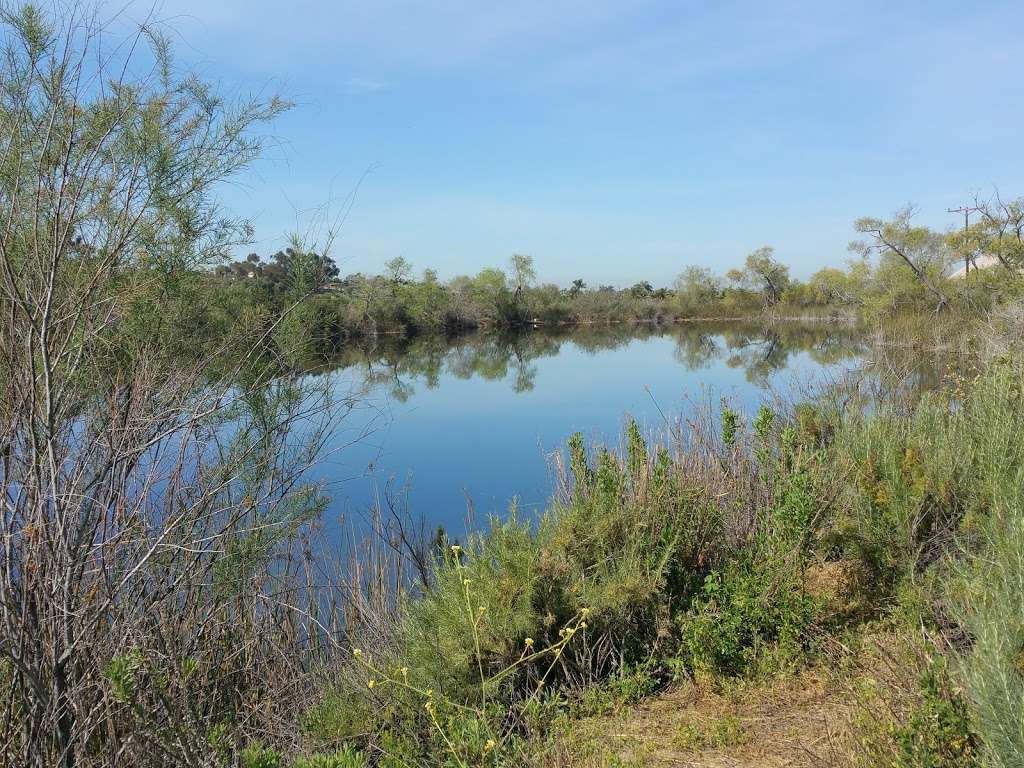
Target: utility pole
{"type": "Point", "coordinates": [966, 211]}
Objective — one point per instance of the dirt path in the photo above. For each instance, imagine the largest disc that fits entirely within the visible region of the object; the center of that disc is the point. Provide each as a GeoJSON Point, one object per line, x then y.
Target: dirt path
{"type": "Point", "coordinates": [794, 723]}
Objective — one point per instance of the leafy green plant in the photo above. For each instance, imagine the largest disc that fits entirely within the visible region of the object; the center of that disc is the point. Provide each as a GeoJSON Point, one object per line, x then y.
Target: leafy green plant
{"type": "Point", "coordinates": [123, 673]}
{"type": "Point", "coordinates": [347, 757]}
{"type": "Point", "coordinates": [730, 426]}
{"type": "Point", "coordinates": [940, 732]}
{"type": "Point", "coordinates": [337, 717]}
{"type": "Point", "coordinates": [763, 423]}
{"type": "Point", "coordinates": [258, 756]}
{"type": "Point", "coordinates": [626, 687]}
{"type": "Point", "coordinates": [475, 722]}
{"type": "Point", "coordinates": [746, 612]}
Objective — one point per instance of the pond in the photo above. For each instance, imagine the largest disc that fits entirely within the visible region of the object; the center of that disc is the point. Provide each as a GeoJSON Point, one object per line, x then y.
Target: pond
{"type": "Point", "coordinates": [455, 430]}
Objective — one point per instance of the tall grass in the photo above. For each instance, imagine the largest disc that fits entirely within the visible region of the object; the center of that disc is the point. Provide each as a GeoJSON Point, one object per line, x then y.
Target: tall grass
{"type": "Point", "coordinates": [989, 582]}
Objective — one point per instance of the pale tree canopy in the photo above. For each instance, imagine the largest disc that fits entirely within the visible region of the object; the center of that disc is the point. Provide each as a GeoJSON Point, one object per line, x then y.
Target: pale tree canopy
{"type": "Point", "coordinates": [398, 269]}
{"type": "Point", "coordinates": [696, 287]}
{"type": "Point", "coordinates": [919, 249]}
{"type": "Point", "coordinates": [761, 272]}
{"type": "Point", "coordinates": [523, 272]}
{"type": "Point", "coordinates": [1000, 232]}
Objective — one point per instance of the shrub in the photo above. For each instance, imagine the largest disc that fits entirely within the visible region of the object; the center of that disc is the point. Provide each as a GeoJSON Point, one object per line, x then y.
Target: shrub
{"type": "Point", "coordinates": [258, 756]}
{"type": "Point", "coordinates": [750, 613]}
{"type": "Point", "coordinates": [344, 758]}
{"type": "Point", "coordinates": [986, 586]}
{"type": "Point", "coordinates": [336, 718]}
{"type": "Point", "coordinates": [474, 711]}
{"type": "Point", "coordinates": [628, 686]}
{"type": "Point", "coordinates": [919, 479]}
{"type": "Point", "coordinates": [939, 733]}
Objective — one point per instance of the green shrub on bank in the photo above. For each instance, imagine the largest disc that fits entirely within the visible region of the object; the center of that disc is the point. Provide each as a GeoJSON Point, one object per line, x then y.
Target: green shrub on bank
{"type": "Point", "coordinates": [752, 612]}
{"type": "Point", "coordinates": [910, 711]}
{"type": "Point", "coordinates": [747, 614]}
{"type": "Point", "coordinates": [258, 756]}
{"type": "Point", "coordinates": [939, 732]}
{"type": "Point", "coordinates": [987, 585]}
{"type": "Point", "coordinates": [625, 547]}
{"type": "Point", "coordinates": [937, 509]}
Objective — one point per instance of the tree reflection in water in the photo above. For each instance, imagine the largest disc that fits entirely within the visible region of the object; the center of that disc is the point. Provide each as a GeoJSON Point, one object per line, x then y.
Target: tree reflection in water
{"type": "Point", "coordinates": [398, 365]}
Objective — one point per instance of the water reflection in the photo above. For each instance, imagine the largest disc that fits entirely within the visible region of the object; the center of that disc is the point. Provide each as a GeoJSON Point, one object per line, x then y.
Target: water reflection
{"type": "Point", "coordinates": [398, 365]}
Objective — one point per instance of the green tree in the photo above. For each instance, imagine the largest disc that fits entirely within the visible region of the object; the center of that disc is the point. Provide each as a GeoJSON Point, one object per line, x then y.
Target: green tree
{"type": "Point", "coordinates": [491, 295]}
{"type": "Point", "coordinates": [762, 273]}
{"type": "Point", "coordinates": [832, 285]}
{"type": "Point", "coordinates": [1000, 233]}
{"type": "Point", "coordinates": [641, 290]}
{"type": "Point", "coordinates": [112, 480]}
{"type": "Point", "coordinates": [523, 273]}
{"type": "Point", "coordinates": [397, 270]}
{"type": "Point", "coordinates": [697, 288]}
{"type": "Point", "coordinates": [923, 252]}
{"type": "Point", "coordinates": [490, 282]}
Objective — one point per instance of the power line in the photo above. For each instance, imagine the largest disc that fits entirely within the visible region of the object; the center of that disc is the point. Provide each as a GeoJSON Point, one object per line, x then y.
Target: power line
{"type": "Point", "coordinates": [966, 211]}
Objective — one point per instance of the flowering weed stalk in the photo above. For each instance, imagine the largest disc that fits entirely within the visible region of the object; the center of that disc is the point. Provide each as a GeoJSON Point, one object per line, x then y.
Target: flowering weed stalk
{"type": "Point", "coordinates": [498, 736]}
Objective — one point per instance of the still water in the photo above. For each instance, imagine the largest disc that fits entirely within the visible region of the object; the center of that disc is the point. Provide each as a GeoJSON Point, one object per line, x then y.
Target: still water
{"type": "Point", "coordinates": [448, 426]}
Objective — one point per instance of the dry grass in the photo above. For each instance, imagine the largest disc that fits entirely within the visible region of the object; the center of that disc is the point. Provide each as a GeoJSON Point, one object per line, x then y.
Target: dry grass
{"type": "Point", "coordinates": [794, 721]}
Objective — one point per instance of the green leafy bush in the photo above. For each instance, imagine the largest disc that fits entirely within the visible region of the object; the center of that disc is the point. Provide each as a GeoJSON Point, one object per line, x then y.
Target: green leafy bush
{"type": "Point", "coordinates": [748, 612]}
{"type": "Point", "coordinates": [337, 717]}
{"type": "Point", "coordinates": [939, 733]}
{"type": "Point", "coordinates": [258, 756]}
{"type": "Point", "coordinates": [626, 687]}
{"type": "Point", "coordinates": [343, 758]}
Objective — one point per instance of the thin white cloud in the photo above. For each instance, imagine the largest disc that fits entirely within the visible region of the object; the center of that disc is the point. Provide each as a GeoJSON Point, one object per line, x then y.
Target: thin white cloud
{"type": "Point", "coordinates": [434, 36]}
{"type": "Point", "coordinates": [365, 85]}
{"type": "Point", "coordinates": [639, 44]}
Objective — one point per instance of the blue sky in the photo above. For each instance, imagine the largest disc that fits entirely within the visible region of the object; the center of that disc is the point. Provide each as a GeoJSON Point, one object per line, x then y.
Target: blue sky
{"type": "Point", "coordinates": [614, 141]}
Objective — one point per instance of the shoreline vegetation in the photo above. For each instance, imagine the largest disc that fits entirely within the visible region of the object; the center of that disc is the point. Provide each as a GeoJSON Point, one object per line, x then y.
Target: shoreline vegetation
{"type": "Point", "coordinates": [164, 598]}
{"type": "Point", "coordinates": [897, 268]}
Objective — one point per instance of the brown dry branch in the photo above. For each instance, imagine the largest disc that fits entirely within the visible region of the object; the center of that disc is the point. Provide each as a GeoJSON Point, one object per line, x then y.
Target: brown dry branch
{"type": "Point", "coordinates": [151, 602]}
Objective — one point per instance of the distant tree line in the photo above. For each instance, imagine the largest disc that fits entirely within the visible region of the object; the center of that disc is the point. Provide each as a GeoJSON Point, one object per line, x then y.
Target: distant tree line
{"type": "Point", "coordinates": [895, 267]}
